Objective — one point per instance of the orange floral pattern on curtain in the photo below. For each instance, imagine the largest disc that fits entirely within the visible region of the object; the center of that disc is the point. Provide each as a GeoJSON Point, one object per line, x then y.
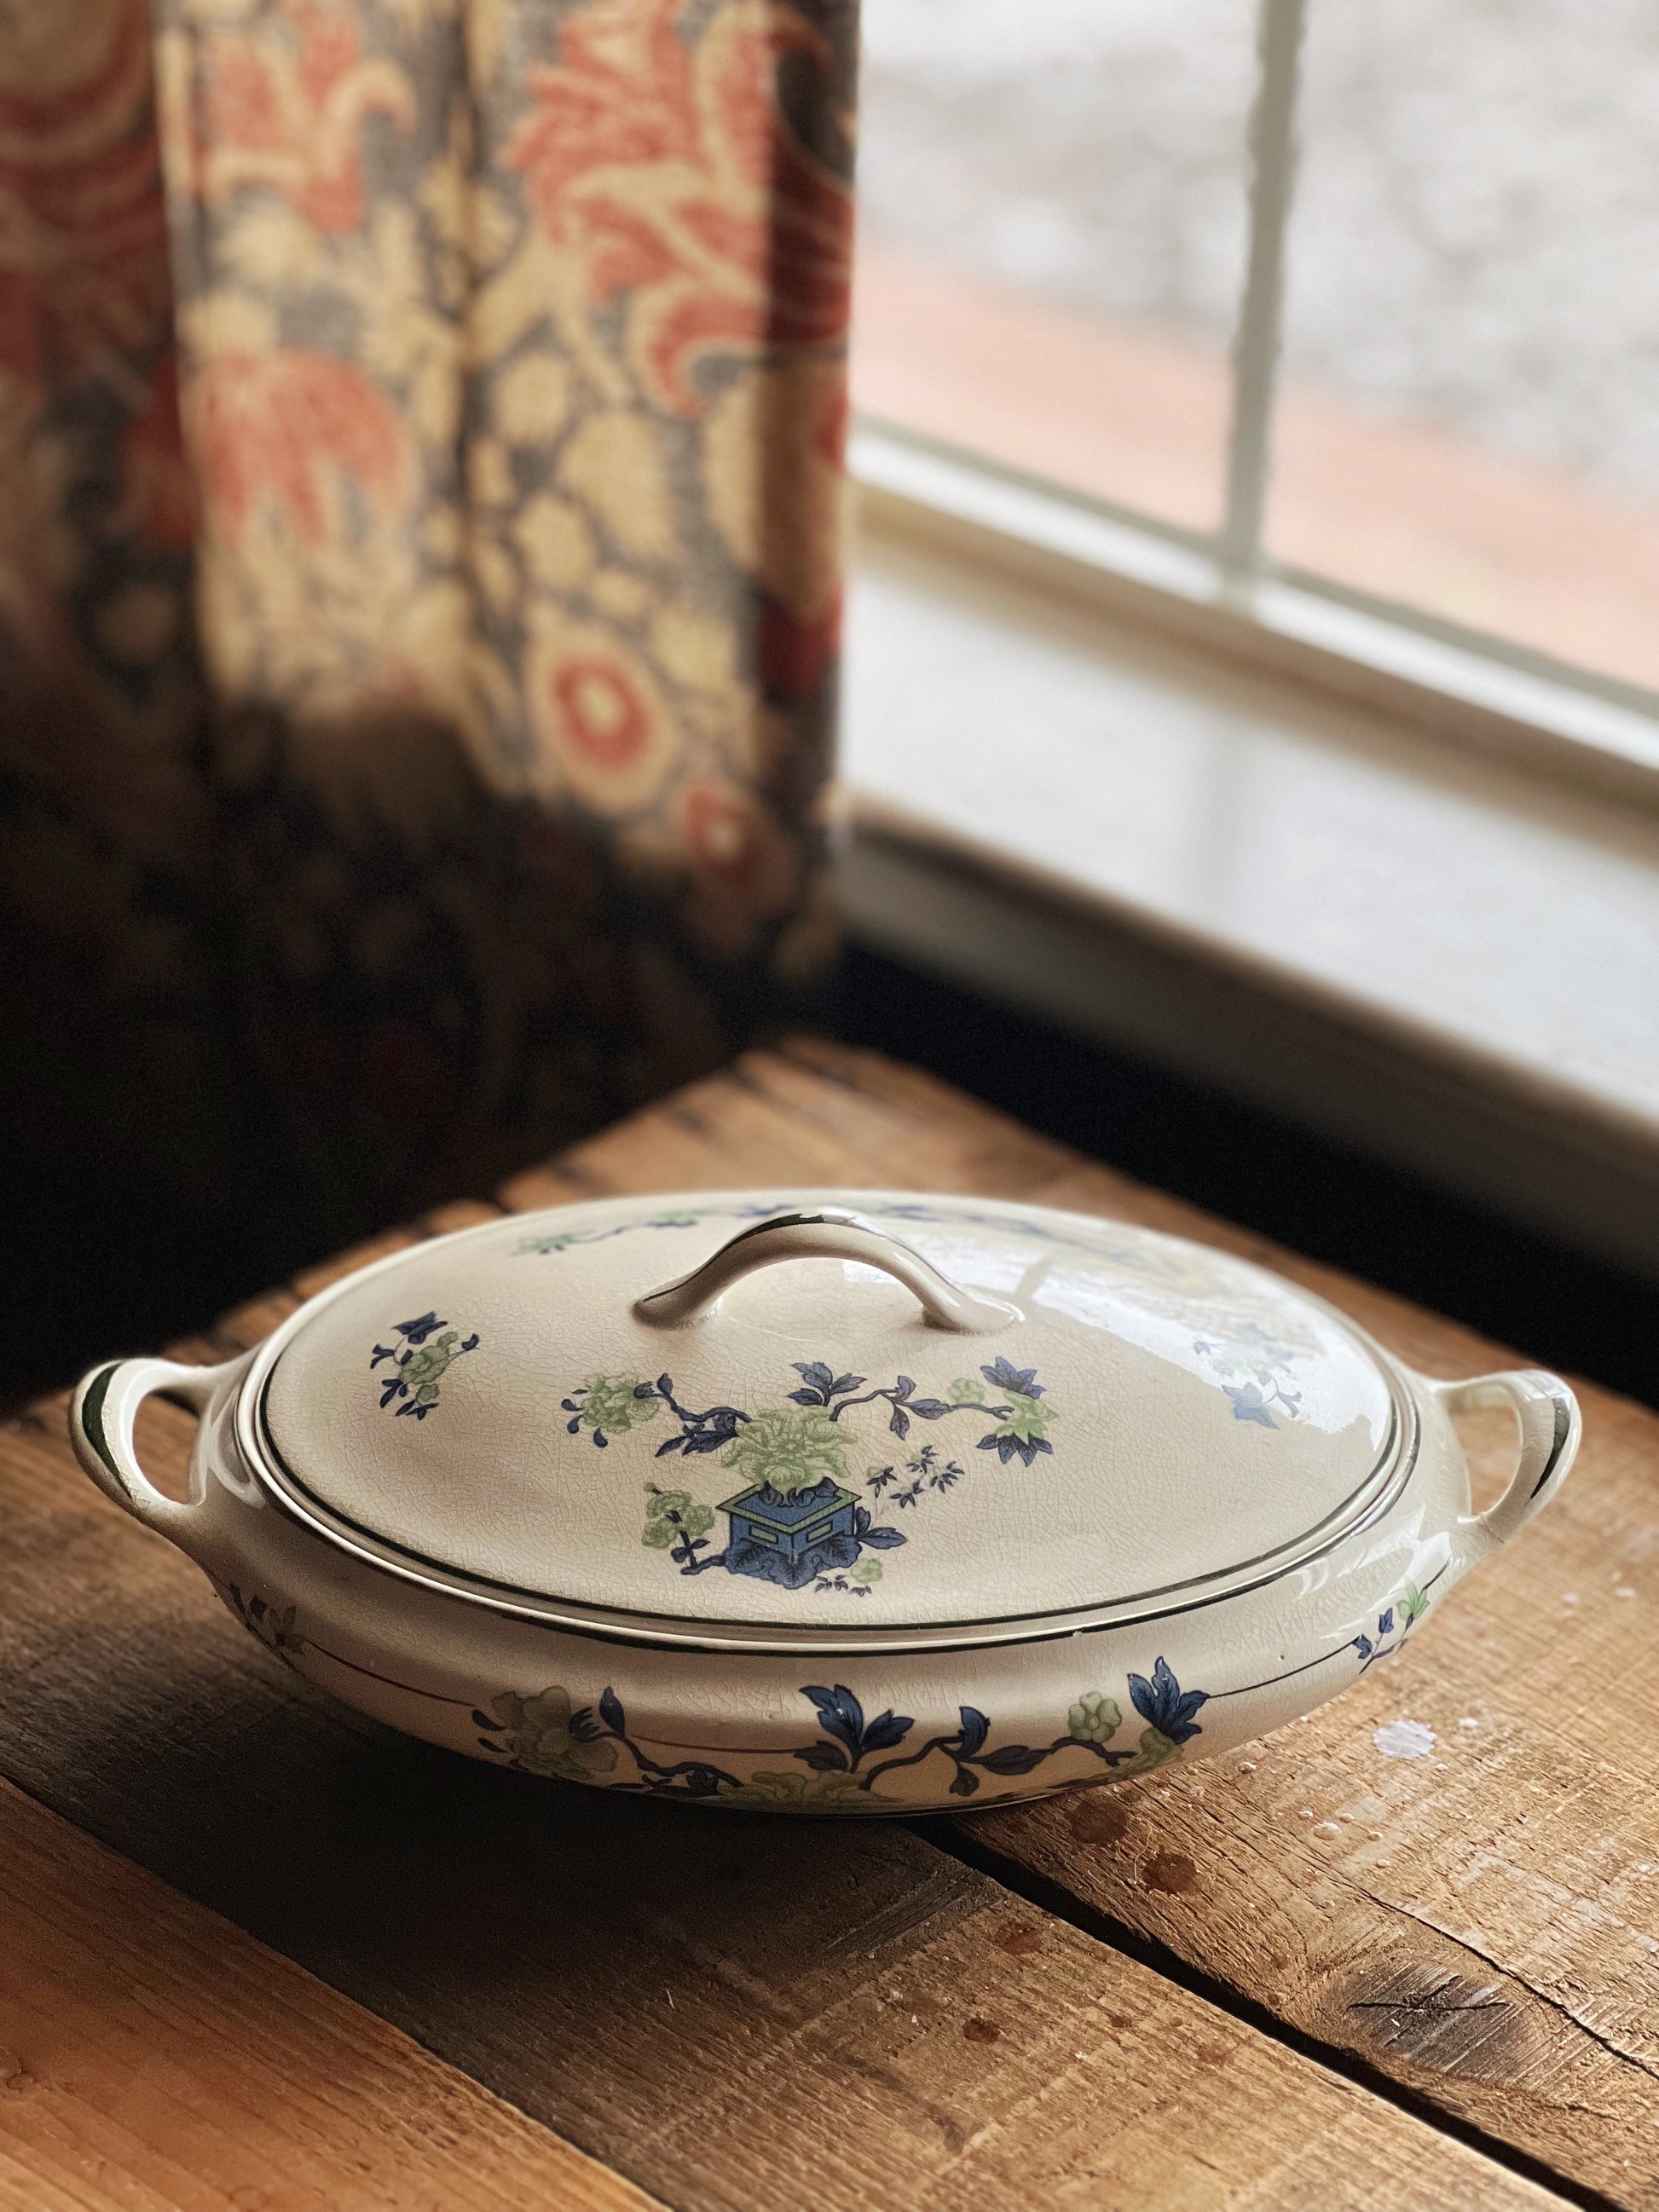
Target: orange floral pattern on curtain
{"type": "Point", "coordinates": [420, 428]}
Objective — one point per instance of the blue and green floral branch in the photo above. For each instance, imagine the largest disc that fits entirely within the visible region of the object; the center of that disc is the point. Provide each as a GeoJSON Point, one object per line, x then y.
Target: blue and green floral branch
{"type": "Point", "coordinates": [608, 1405]}
{"type": "Point", "coordinates": [1021, 1424]}
{"type": "Point", "coordinates": [1092, 1721]}
{"type": "Point", "coordinates": [1396, 1621]}
{"type": "Point", "coordinates": [611, 1404]}
{"type": "Point", "coordinates": [419, 1362]}
{"type": "Point", "coordinates": [543, 1735]}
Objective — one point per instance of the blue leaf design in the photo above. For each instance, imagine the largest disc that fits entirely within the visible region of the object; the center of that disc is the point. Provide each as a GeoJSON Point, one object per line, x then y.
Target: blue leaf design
{"type": "Point", "coordinates": [816, 1374]}
{"type": "Point", "coordinates": [930, 1409]}
{"type": "Point", "coordinates": [610, 1711]}
{"type": "Point", "coordinates": [1013, 1759]}
{"type": "Point", "coordinates": [840, 1713]}
{"type": "Point", "coordinates": [903, 1386]}
{"type": "Point", "coordinates": [965, 1783]}
{"type": "Point", "coordinates": [843, 1384]}
{"type": "Point", "coordinates": [824, 1758]}
{"type": "Point", "coordinates": [1165, 1704]}
{"type": "Point", "coordinates": [1385, 1623]}
{"type": "Point", "coordinates": [1363, 1646]}
{"type": "Point", "coordinates": [806, 1398]}
{"type": "Point", "coordinates": [887, 1730]}
{"type": "Point", "coordinates": [1249, 1405]}
{"type": "Point", "coordinates": [883, 1539]}
{"type": "Point", "coordinates": [1003, 1374]}
{"type": "Point", "coordinates": [975, 1729]}
{"type": "Point", "coordinates": [900, 1424]}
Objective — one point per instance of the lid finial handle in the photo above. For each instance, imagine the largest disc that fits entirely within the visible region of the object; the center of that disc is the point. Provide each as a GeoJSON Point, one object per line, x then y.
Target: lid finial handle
{"type": "Point", "coordinates": [823, 1235]}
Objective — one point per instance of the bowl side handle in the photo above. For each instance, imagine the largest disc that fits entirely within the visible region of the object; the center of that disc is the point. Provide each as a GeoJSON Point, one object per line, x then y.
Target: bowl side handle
{"type": "Point", "coordinates": [1550, 1427]}
{"type": "Point", "coordinates": [100, 1421]}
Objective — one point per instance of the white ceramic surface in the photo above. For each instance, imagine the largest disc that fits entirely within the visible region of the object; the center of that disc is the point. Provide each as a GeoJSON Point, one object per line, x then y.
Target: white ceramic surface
{"type": "Point", "coordinates": [840, 1501]}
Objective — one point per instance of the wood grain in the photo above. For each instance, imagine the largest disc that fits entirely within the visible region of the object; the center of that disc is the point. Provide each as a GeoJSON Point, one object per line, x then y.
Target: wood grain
{"type": "Point", "coordinates": [738, 2013]}
{"type": "Point", "coordinates": [708, 2004]}
{"type": "Point", "coordinates": [152, 2056]}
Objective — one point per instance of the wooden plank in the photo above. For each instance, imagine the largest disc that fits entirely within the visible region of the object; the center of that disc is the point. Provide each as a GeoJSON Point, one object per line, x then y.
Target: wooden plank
{"type": "Point", "coordinates": [736, 2011]}
{"type": "Point", "coordinates": [758, 2014]}
{"type": "Point", "coordinates": [152, 2056]}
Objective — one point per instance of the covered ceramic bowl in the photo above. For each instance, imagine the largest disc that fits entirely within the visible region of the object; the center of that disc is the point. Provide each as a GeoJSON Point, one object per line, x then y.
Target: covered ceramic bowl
{"type": "Point", "coordinates": [850, 1502]}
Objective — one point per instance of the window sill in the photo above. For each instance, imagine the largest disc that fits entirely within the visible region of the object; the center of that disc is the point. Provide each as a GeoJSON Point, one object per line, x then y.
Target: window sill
{"type": "Point", "coordinates": [1419, 949]}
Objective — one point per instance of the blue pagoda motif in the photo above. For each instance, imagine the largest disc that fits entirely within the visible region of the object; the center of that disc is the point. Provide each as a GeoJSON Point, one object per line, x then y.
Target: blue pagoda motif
{"type": "Point", "coordinates": [792, 1540]}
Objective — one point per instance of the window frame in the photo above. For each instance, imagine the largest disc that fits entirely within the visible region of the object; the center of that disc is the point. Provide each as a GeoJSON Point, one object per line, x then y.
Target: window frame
{"type": "Point", "coordinates": [1222, 590]}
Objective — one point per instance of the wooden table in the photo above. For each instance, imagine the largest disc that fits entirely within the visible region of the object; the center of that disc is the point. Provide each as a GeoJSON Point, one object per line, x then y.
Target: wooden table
{"type": "Point", "coordinates": [255, 1953]}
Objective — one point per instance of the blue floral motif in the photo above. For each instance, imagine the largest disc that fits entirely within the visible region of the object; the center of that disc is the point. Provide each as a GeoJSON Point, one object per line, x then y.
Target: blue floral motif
{"type": "Point", "coordinates": [1163, 1704]}
{"type": "Point", "coordinates": [1262, 1368]}
{"type": "Point", "coordinates": [848, 1758]}
{"type": "Point", "coordinates": [427, 1349]}
{"type": "Point", "coordinates": [1396, 1621]}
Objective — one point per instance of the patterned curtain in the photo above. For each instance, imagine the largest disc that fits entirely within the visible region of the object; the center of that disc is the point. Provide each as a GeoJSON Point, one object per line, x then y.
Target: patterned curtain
{"type": "Point", "coordinates": [421, 427]}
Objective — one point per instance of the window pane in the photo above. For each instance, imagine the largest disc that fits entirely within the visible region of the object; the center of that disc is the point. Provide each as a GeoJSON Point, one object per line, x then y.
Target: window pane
{"type": "Point", "coordinates": [1052, 235]}
{"type": "Point", "coordinates": [1470, 416]}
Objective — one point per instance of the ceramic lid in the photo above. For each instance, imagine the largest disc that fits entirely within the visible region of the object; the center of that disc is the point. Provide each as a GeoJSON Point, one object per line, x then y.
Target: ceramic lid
{"type": "Point", "coordinates": [879, 1412]}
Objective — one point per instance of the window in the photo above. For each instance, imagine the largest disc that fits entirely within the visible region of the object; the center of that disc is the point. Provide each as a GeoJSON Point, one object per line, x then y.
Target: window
{"type": "Point", "coordinates": [1338, 321]}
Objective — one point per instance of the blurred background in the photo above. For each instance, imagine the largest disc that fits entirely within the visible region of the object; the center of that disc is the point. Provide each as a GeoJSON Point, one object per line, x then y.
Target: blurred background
{"type": "Point", "coordinates": [1249, 762]}
{"type": "Point", "coordinates": [1054, 231]}
{"type": "Point", "coordinates": [1458, 341]}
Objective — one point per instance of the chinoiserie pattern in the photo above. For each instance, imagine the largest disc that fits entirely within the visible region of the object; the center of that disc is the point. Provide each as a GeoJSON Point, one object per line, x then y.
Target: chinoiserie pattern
{"type": "Point", "coordinates": [797, 1521]}
{"type": "Point", "coordinates": [844, 1767]}
{"type": "Point", "coordinates": [408, 1370]}
{"type": "Point", "coordinates": [418, 562]}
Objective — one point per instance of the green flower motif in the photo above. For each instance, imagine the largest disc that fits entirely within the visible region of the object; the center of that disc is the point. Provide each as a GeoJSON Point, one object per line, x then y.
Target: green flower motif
{"type": "Point", "coordinates": [671, 1514]}
{"type": "Point", "coordinates": [1156, 1750]}
{"type": "Point", "coordinates": [608, 1401]}
{"type": "Point", "coordinates": [538, 1737]}
{"type": "Point", "coordinates": [1414, 1604]}
{"type": "Point", "coordinates": [823, 1793]}
{"type": "Point", "coordinates": [788, 1449]}
{"type": "Point", "coordinates": [424, 1367]}
{"type": "Point", "coordinates": [964, 1391]}
{"type": "Point", "coordinates": [1094, 1719]}
{"type": "Point", "coordinates": [1028, 1420]}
